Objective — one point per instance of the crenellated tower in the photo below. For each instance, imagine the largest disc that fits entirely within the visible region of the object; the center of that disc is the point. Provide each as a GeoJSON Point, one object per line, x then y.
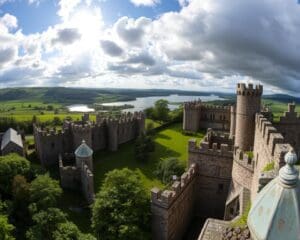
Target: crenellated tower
{"type": "Point", "coordinates": [191, 116]}
{"type": "Point", "coordinates": [248, 104]}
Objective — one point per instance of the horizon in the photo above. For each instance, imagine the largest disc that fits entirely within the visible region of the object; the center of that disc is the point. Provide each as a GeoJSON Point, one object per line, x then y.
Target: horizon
{"type": "Point", "coordinates": [133, 44]}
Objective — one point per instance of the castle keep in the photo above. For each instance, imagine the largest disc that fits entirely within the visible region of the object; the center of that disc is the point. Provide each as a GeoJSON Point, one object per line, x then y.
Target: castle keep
{"type": "Point", "coordinates": [227, 169]}
{"type": "Point", "coordinates": [105, 133]}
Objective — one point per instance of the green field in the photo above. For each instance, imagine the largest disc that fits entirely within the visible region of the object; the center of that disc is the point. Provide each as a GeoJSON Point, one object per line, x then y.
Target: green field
{"type": "Point", "coordinates": [169, 142]}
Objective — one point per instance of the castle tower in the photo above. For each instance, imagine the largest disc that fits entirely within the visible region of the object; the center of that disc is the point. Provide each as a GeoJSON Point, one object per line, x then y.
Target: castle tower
{"type": "Point", "coordinates": [191, 116]}
{"type": "Point", "coordinates": [84, 155]}
{"type": "Point", "coordinates": [248, 104]}
{"type": "Point", "coordinates": [232, 121]}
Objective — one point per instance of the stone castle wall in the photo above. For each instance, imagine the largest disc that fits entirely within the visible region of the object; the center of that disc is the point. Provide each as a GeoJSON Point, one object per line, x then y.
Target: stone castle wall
{"type": "Point", "coordinates": [270, 146]}
{"type": "Point", "coordinates": [214, 158]}
{"type": "Point", "coordinates": [87, 183]}
{"type": "Point", "coordinates": [196, 115]}
{"type": "Point", "coordinates": [172, 210]}
{"type": "Point", "coordinates": [104, 134]}
{"type": "Point", "coordinates": [289, 127]}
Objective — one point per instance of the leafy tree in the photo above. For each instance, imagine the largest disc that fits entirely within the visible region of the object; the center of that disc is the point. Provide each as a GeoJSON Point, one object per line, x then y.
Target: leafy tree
{"type": "Point", "coordinates": [169, 167]}
{"type": "Point", "coordinates": [6, 229]}
{"type": "Point", "coordinates": [20, 213]}
{"type": "Point", "coordinates": [121, 209]}
{"type": "Point", "coordinates": [46, 223]}
{"type": "Point", "coordinates": [149, 112]}
{"type": "Point", "coordinates": [56, 121]}
{"type": "Point", "coordinates": [143, 146]}
{"type": "Point", "coordinates": [44, 193]}
{"type": "Point", "coordinates": [69, 230]}
{"type": "Point", "coordinates": [161, 110]}
{"type": "Point", "coordinates": [10, 166]}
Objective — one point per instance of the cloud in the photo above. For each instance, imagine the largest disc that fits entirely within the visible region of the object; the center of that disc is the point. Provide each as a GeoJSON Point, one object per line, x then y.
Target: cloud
{"type": "Point", "coordinates": [66, 7]}
{"type": "Point", "coordinates": [147, 3]}
{"type": "Point", "coordinates": [132, 31]}
{"type": "Point", "coordinates": [7, 55]}
{"type": "Point", "coordinates": [142, 58]}
{"type": "Point", "coordinates": [111, 48]}
{"type": "Point", "coordinates": [67, 36]}
{"type": "Point", "coordinates": [8, 21]}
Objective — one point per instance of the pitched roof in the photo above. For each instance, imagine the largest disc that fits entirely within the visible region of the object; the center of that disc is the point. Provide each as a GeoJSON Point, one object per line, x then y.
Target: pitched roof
{"type": "Point", "coordinates": [83, 150]}
{"type": "Point", "coordinates": [11, 135]}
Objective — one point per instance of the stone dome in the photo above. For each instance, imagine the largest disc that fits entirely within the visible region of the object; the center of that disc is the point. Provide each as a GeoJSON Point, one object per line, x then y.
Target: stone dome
{"type": "Point", "coordinates": [275, 213]}
{"type": "Point", "coordinates": [83, 150]}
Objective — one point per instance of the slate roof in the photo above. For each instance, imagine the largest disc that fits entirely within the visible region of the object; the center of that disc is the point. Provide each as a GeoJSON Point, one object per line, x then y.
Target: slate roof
{"type": "Point", "coordinates": [83, 150]}
{"type": "Point", "coordinates": [11, 135]}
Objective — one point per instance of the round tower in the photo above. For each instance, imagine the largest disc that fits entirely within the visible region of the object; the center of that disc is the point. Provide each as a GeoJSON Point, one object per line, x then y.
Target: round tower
{"type": "Point", "coordinates": [248, 104]}
{"type": "Point", "coordinates": [84, 154]}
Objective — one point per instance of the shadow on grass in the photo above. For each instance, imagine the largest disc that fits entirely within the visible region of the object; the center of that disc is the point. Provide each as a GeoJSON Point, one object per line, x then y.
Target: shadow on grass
{"type": "Point", "coordinates": [163, 136]}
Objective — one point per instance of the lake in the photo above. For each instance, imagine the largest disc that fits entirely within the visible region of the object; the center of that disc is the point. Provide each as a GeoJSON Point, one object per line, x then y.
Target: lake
{"type": "Point", "coordinates": [145, 102]}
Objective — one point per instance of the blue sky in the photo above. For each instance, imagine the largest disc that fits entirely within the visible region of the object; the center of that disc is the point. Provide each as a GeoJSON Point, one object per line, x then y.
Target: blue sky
{"type": "Point", "coordinates": [181, 44]}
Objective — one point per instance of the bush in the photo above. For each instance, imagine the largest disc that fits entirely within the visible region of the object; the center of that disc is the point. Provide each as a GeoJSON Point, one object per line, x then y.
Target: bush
{"type": "Point", "coordinates": [143, 146]}
{"type": "Point", "coordinates": [167, 168]}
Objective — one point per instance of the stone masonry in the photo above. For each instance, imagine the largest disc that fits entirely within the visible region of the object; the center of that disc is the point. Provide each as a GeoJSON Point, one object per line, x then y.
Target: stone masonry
{"type": "Point", "coordinates": [226, 170]}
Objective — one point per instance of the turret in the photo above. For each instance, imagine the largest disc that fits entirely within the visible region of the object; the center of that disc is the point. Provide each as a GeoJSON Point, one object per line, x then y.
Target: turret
{"type": "Point", "coordinates": [84, 155]}
{"type": "Point", "coordinates": [248, 104]}
{"type": "Point", "coordinates": [191, 116]}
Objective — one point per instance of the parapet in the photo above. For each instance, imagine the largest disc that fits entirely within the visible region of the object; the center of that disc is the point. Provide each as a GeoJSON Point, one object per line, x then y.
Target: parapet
{"type": "Point", "coordinates": [193, 105]}
{"type": "Point", "coordinates": [166, 198]}
{"type": "Point", "coordinates": [291, 116]}
{"type": "Point", "coordinates": [250, 90]}
{"type": "Point", "coordinates": [217, 108]}
{"type": "Point", "coordinates": [243, 159]}
{"type": "Point", "coordinates": [46, 132]}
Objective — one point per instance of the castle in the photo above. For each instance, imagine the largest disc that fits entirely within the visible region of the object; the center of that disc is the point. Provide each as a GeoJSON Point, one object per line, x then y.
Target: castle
{"type": "Point", "coordinates": [72, 147]}
{"type": "Point", "coordinates": [228, 168]}
{"type": "Point", "coordinates": [105, 133]}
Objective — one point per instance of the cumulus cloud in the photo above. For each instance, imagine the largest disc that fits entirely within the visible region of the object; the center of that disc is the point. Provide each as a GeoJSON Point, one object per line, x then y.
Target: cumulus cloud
{"type": "Point", "coordinates": [142, 58]}
{"type": "Point", "coordinates": [8, 22]}
{"type": "Point", "coordinates": [111, 48]}
{"type": "Point", "coordinates": [7, 55]}
{"type": "Point", "coordinates": [147, 3]}
{"type": "Point", "coordinates": [67, 36]}
{"type": "Point", "coordinates": [132, 31]}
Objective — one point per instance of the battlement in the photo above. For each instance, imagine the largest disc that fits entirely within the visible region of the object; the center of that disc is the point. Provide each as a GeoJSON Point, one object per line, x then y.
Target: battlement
{"type": "Point", "coordinates": [250, 90]}
{"type": "Point", "coordinates": [193, 105]}
{"type": "Point", "coordinates": [166, 198]}
{"type": "Point", "coordinates": [81, 127]}
{"type": "Point", "coordinates": [290, 115]}
{"type": "Point", "coordinates": [243, 159]}
{"type": "Point", "coordinates": [215, 108]}
{"type": "Point", "coordinates": [48, 132]}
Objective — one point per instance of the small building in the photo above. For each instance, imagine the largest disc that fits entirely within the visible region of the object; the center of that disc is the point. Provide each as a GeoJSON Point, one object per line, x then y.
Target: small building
{"type": "Point", "coordinates": [11, 142]}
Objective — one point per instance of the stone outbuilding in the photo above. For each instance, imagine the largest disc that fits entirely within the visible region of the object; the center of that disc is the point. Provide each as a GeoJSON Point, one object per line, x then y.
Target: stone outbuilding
{"type": "Point", "coordinates": [11, 142]}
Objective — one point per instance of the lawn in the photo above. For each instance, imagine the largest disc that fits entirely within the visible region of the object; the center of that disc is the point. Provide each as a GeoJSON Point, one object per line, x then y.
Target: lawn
{"type": "Point", "coordinates": [169, 142]}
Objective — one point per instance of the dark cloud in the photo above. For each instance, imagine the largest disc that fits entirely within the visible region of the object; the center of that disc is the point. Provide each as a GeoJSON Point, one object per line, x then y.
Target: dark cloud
{"type": "Point", "coordinates": [111, 48]}
{"type": "Point", "coordinates": [132, 31]}
{"type": "Point", "coordinates": [7, 55]}
{"type": "Point", "coordinates": [143, 58]}
{"type": "Point", "coordinates": [66, 36]}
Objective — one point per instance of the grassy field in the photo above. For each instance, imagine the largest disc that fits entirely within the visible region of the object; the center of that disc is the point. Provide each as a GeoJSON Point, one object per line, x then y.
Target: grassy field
{"type": "Point", "coordinates": [169, 142]}
{"type": "Point", "coordinates": [278, 108]}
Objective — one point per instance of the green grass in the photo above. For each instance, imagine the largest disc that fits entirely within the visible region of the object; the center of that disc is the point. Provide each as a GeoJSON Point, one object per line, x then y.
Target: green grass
{"type": "Point", "coordinates": [242, 220]}
{"type": "Point", "coordinates": [270, 166]}
{"type": "Point", "coordinates": [278, 108]}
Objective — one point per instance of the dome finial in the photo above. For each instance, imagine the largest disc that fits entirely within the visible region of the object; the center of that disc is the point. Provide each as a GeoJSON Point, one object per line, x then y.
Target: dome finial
{"type": "Point", "coordinates": [288, 174]}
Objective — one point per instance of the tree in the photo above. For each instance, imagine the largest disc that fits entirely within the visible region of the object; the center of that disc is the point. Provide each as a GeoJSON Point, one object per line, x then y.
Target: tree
{"type": "Point", "coordinates": [20, 213]}
{"type": "Point", "coordinates": [167, 168]}
{"type": "Point", "coordinates": [44, 193]}
{"type": "Point", "coordinates": [121, 209]}
{"type": "Point", "coordinates": [46, 223]}
{"type": "Point", "coordinates": [161, 110]}
{"type": "Point", "coordinates": [6, 229]}
{"type": "Point", "coordinates": [10, 166]}
{"type": "Point", "coordinates": [143, 146]}
{"type": "Point", "coordinates": [69, 230]}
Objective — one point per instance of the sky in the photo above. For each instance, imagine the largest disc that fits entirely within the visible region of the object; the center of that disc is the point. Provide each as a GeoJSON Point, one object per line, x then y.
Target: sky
{"type": "Point", "coordinates": [204, 45]}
